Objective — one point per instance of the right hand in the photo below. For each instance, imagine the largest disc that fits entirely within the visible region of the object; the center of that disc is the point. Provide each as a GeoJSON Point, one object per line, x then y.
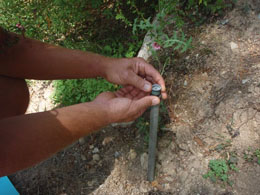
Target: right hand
{"type": "Point", "coordinates": [126, 104]}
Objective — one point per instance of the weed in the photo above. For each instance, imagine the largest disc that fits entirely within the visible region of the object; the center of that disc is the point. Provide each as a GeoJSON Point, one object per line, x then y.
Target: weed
{"type": "Point", "coordinates": [252, 156]}
{"type": "Point", "coordinates": [70, 92]}
{"type": "Point", "coordinates": [143, 123]}
{"type": "Point", "coordinates": [219, 170]}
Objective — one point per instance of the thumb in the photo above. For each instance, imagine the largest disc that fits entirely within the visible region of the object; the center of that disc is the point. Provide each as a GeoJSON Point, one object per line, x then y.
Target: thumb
{"type": "Point", "coordinates": [139, 82]}
{"type": "Point", "coordinates": [146, 102]}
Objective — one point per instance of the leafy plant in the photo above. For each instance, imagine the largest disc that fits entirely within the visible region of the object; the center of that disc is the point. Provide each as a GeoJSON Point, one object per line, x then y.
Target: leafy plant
{"type": "Point", "coordinates": [143, 127]}
{"type": "Point", "coordinates": [69, 92]}
{"type": "Point", "coordinates": [252, 156]}
{"type": "Point", "coordinates": [219, 170]}
{"type": "Point", "coordinates": [257, 154]}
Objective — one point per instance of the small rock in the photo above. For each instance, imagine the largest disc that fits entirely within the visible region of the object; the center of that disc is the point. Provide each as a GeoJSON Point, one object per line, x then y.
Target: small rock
{"type": "Point", "coordinates": [144, 187]}
{"type": "Point", "coordinates": [224, 22]}
{"type": "Point", "coordinates": [258, 16]}
{"type": "Point", "coordinates": [166, 186]}
{"type": "Point", "coordinates": [91, 147]}
{"type": "Point", "coordinates": [185, 83]}
{"type": "Point", "coordinates": [169, 179]}
{"type": "Point", "coordinates": [107, 140]}
{"type": "Point", "coordinates": [95, 150]}
{"type": "Point", "coordinates": [83, 157]}
{"type": "Point", "coordinates": [96, 157]}
{"type": "Point", "coordinates": [82, 141]}
{"type": "Point", "coordinates": [132, 154]}
{"type": "Point", "coordinates": [183, 176]}
{"type": "Point", "coordinates": [144, 160]}
{"type": "Point", "coordinates": [244, 81]}
{"type": "Point", "coordinates": [117, 154]}
{"type": "Point", "coordinates": [233, 45]}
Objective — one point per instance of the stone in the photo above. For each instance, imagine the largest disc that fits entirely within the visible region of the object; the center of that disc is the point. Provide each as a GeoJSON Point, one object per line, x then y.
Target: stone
{"type": "Point", "coordinates": [132, 154]}
{"type": "Point", "coordinates": [82, 141]}
{"type": "Point", "coordinates": [96, 157]}
{"type": "Point", "coordinates": [95, 150]}
{"type": "Point", "coordinates": [169, 179]}
{"type": "Point", "coordinates": [107, 140]}
{"type": "Point", "coordinates": [83, 157]}
{"type": "Point", "coordinates": [233, 45]}
{"type": "Point", "coordinates": [117, 154]}
{"type": "Point", "coordinates": [144, 187]}
{"type": "Point", "coordinates": [144, 160]}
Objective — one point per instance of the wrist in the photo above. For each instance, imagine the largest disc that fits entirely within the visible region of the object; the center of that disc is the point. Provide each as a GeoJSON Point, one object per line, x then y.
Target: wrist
{"type": "Point", "coordinates": [99, 112]}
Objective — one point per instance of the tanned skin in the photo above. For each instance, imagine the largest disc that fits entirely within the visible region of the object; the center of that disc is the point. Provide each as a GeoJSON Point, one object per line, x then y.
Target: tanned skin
{"type": "Point", "coordinates": [28, 139]}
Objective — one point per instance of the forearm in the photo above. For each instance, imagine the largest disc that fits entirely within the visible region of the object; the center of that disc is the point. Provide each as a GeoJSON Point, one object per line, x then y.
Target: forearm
{"type": "Point", "coordinates": [28, 139]}
{"type": "Point", "coordinates": [32, 59]}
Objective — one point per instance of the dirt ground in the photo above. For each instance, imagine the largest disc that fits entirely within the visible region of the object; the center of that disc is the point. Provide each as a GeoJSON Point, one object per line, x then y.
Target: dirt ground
{"type": "Point", "coordinates": [213, 101]}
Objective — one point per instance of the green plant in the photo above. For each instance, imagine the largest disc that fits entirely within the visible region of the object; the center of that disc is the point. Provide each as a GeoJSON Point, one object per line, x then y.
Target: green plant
{"type": "Point", "coordinates": [252, 156]}
{"type": "Point", "coordinates": [143, 127]}
{"type": "Point", "coordinates": [99, 26]}
{"type": "Point", "coordinates": [143, 123]}
{"type": "Point", "coordinates": [219, 170]}
{"type": "Point", "coordinates": [69, 92]}
{"type": "Point", "coordinates": [257, 154]}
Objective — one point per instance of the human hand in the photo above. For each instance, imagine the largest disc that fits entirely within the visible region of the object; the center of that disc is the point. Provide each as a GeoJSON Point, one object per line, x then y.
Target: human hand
{"type": "Point", "coordinates": [126, 104]}
{"type": "Point", "coordinates": [135, 72]}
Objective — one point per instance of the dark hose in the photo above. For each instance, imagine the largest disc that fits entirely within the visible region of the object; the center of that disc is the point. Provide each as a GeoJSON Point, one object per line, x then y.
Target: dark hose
{"type": "Point", "coordinates": [154, 116]}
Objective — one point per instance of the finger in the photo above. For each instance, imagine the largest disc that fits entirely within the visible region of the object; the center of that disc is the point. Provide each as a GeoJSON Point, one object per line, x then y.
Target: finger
{"type": "Point", "coordinates": [150, 79]}
{"type": "Point", "coordinates": [135, 92]}
{"type": "Point", "coordinates": [146, 102]}
{"type": "Point", "coordinates": [119, 93]}
{"type": "Point", "coordinates": [139, 82]}
{"type": "Point", "coordinates": [140, 95]}
{"type": "Point", "coordinates": [164, 95]}
{"type": "Point", "coordinates": [152, 72]}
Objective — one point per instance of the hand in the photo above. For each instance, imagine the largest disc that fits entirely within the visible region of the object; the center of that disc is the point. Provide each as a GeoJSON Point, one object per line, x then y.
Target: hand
{"type": "Point", "coordinates": [135, 72]}
{"type": "Point", "coordinates": [126, 104]}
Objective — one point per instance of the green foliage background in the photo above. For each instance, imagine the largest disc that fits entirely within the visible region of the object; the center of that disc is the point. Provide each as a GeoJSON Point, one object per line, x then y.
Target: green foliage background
{"type": "Point", "coordinates": [102, 26]}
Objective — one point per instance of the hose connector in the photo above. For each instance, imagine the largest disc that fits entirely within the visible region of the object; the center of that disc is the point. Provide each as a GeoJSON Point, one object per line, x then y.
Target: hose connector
{"type": "Point", "coordinates": [156, 90]}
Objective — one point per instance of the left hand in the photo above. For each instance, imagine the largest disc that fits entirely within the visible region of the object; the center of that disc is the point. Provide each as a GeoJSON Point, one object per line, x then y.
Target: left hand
{"type": "Point", "coordinates": [125, 105]}
{"type": "Point", "coordinates": [135, 72]}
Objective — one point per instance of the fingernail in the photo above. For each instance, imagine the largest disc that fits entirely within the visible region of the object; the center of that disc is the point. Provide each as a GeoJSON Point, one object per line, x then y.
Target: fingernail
{"type": "Point", "coordinates": [147, 87]}
{"type": "Point", "coordinates": [155, 101]}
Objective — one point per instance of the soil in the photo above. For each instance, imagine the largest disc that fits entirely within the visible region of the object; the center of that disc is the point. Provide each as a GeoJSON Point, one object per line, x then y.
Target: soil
{"type": "Point", "coordinates": [214, 109]}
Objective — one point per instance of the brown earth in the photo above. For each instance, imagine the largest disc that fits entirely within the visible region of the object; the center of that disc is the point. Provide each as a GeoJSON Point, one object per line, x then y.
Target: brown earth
{"type": "Point", "coordinates": [214, 107]}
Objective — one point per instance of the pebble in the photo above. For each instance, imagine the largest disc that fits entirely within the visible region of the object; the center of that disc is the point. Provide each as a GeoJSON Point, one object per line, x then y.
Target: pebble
{"type": "Point", "coordinates": [132, 154]}
{"type": "Point", "coordinates": [95, 150]}
{"type": "Point", "coordinates": [169, 179]}
{"type": "Point", "coordinates": [82, 141]}
{"type": "Point", "coordinates": [144, 160]}
{"type": "Point", "coordinates": [96, 157]}
{"type": "Point", "coordinates": [107, 140]}
{"type": "Point", "coordinates": [83, 157]}
{"type": "Point", "coordinates": [117, 154]}
{"type": "Point", "coordinates": [91, 146]}
{"type": "Point", "coordinates": [258, 16]}
{"type": "Point", "coordinates": [224, 22]}
{"type": "Point", "coordinates": [233, 45]}
{"type": "Point", "coordinates": [185, 83]}
{"type": "Point", "coordinates": [244, 81]}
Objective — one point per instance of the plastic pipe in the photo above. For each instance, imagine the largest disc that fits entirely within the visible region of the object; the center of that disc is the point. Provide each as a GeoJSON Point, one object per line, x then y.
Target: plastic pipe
{"type": "Point", "coordinates": [154, 117]}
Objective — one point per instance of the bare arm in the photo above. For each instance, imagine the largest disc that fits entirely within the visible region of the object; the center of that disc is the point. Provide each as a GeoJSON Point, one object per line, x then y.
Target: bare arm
{"type": "Point", "coordinates": [27, 58]}
{"type": "Point", "coordinates": [22, 57]}
{"type": "Point", "coordinates": [29, 139]}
